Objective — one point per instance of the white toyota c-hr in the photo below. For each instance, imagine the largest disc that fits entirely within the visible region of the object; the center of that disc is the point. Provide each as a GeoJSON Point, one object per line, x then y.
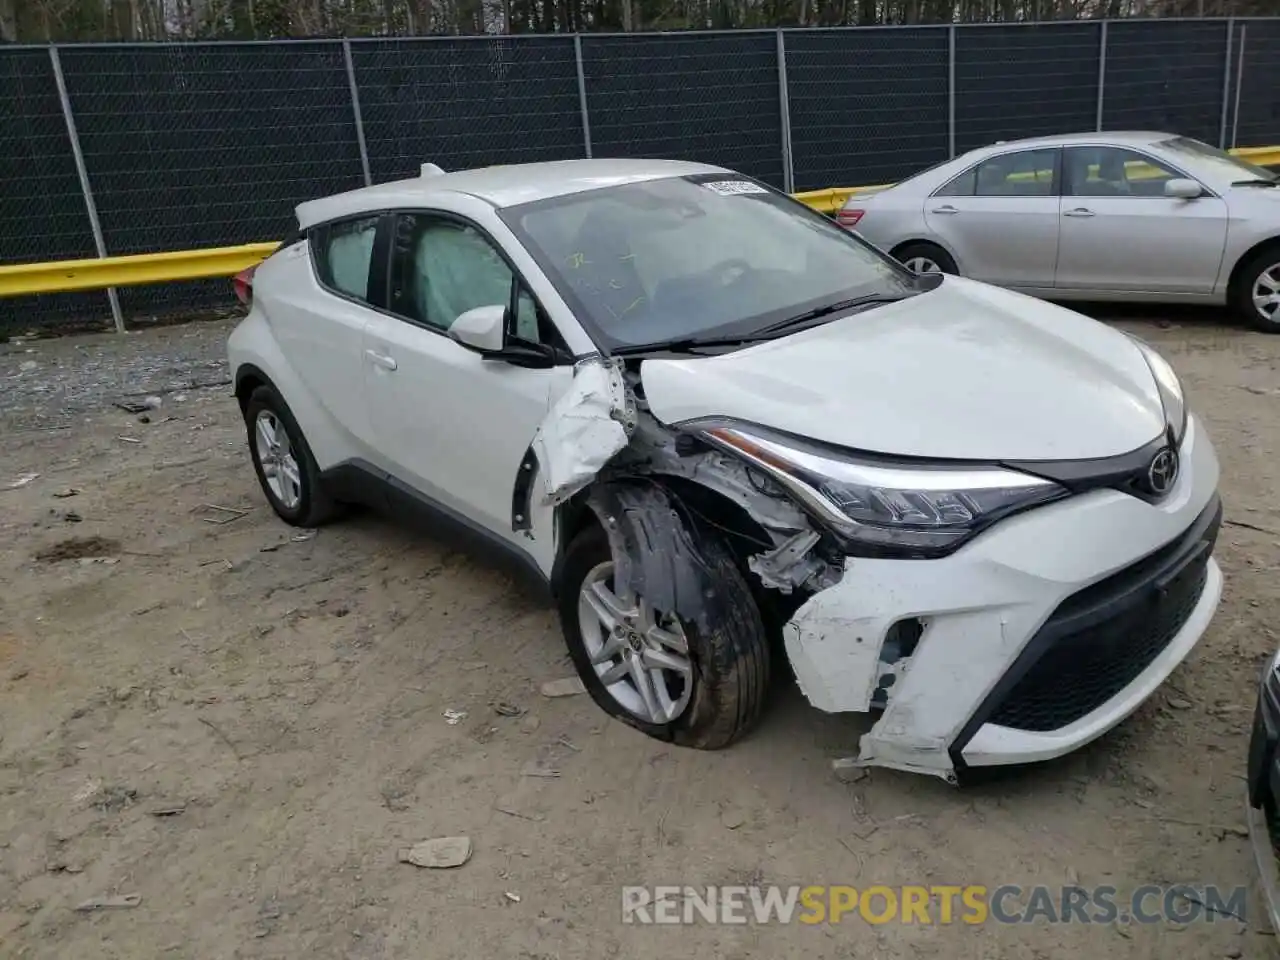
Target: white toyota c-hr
{"type": "Point", "coordinates": [724, 431]}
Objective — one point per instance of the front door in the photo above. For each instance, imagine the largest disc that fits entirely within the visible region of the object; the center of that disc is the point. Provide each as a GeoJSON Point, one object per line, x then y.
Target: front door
{"type": "Point", "coordinates": [1121, 233]}
{"type": "Point", "coordinates": [451, 423]}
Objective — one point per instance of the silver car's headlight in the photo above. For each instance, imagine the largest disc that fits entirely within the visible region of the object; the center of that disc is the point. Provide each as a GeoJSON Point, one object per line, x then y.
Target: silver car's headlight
{"type": "Point", "coordinates": [878, 506]}
{"type": "Point", "coordinates": [1170, 387]}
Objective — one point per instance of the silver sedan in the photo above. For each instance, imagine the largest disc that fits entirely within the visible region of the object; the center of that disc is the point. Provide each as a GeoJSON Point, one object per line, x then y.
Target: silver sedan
{"type": "Point", "coordinates": [1099, 216]}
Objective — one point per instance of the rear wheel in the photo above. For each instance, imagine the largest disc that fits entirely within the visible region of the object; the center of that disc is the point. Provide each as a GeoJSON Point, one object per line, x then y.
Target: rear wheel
{"type": "Point", "coordinates": [701, 687]}
{"type": "Point", "coordinates": [283, 462]}
{"type": "Point", "coordinates": [923, 257]}
{"type": "Point", "coordinates": [1257, 292]}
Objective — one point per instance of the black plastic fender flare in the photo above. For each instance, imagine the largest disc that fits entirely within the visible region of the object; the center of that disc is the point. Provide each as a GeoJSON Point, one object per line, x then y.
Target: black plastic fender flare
{"type": "Point", "coordinates": [655, 551]}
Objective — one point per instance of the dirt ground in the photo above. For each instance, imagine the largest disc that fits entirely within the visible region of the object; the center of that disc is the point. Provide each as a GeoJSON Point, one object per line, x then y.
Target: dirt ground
{"type": "Point", "coordinates": [282, 698]}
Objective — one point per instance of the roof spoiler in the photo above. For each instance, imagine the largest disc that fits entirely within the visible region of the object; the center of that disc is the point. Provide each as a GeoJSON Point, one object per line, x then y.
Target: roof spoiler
{"type": "Point", "coordinates": [430, 170]}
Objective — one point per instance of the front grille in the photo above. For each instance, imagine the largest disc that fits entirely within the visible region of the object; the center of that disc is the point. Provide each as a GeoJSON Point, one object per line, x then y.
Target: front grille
{"type": "Point", "coordinates": [1084, 669]}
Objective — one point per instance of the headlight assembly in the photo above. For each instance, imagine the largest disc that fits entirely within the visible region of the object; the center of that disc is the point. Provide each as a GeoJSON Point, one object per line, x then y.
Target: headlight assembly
{"type": "Point", "coordinates": [878, 506]}
{"type": "Point", "coordinates": [1170, 387]}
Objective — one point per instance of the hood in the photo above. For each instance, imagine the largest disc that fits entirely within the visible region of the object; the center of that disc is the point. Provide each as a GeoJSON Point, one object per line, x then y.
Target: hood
{"type": "Point", "coordinates": [966, 371]}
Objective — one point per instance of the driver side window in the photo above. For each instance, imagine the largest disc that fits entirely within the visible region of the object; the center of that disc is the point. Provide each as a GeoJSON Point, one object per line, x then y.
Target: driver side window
{"type": "Point", "coordinates": [442, 268]}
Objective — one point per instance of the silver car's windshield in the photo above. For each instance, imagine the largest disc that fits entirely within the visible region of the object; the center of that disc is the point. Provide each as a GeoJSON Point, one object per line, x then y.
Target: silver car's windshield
{"type": "Point", "coordinates": [713, 255]}
{"type": "Point", "coordinates": [1210, 162]}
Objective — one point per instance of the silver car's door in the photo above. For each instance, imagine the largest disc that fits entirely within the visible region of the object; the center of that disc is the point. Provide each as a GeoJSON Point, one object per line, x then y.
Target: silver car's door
{"type": "Point", "coordinates": [1120, 233]}
{"type": "Point", "coordinates": [1000, 218]}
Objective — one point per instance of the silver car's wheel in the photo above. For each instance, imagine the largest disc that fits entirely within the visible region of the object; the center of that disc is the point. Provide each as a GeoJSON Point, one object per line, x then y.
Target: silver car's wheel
{"type": "Point", "coordinates": [922, 257]}
{"type": "Point", "coordinates": [921, 265]}
{"type": "Point", "coordinates": [641, 658]}
{"type": "Point", "coordinates": [279, 465]}
{"type": "Point", "coordinates": [1266, 293]}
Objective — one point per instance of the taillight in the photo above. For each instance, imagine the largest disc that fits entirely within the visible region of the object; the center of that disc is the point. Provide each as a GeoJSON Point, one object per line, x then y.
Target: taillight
{"type": "Point", "coordinates": [243, 284]}
{"type": "Point", "coordinates": [849, 217]}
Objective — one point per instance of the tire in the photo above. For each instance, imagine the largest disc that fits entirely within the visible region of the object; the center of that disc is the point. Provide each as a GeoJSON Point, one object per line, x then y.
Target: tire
{"type": "Point", "coordinates": [929, 252]}
{"type": "Point", "coordinates": [729, 661]}
{"type": "Point", "coordinates": [312, 505]}
{"type": "Point", "coordinates": [1254, 274]}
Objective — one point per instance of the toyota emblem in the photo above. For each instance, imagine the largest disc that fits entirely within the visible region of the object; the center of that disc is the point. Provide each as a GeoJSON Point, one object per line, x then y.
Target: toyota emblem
{"type": "Point", "coordinates": [1162, 473]}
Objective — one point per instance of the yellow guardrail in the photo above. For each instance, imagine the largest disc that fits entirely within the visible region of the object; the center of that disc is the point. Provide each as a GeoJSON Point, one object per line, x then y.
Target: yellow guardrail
{"type": "Point", "coordinates": [62, 276]}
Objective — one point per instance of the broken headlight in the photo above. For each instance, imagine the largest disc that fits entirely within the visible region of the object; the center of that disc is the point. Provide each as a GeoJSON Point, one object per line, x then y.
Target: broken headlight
{"type": "Point", "coordinates": [1170, 388]}
{"type": "Point", "coordinates": [879, 506]}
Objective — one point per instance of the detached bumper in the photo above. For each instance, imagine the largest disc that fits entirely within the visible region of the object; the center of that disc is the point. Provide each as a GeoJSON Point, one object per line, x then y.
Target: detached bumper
{"type": "Point", "coordinates": [1041, 635]}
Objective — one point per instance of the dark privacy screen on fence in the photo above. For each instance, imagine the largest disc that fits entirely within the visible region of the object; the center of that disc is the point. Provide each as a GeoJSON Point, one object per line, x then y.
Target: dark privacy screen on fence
{"type": "Point", "coordinates": [1166, 76]}
{"type": "Point", "coordinates": [211, 144]}
{"type": "Point", "coordinates": [712, 99]}
{"type": "Point", "coordinates": [867, 106]}
{"type": "Point", "coordinates": [467, 103]}
{"type": "Point", "coordinates": [1026, 82]}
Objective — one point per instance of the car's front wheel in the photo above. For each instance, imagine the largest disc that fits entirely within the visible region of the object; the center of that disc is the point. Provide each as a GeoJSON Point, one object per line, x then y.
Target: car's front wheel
{"type": "Point", "coordinates": [283, 462]}
{"type": "Point", "coordinates": [1257, 294]}
{"type": "Point", "coordinates": [695, 685]}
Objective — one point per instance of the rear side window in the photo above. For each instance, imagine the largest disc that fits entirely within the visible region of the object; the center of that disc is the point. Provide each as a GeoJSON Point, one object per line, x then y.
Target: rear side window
{"type": "Point", "coordinates": [1027, 173]}
{"type": "Point", "coordinates": [343, 254]}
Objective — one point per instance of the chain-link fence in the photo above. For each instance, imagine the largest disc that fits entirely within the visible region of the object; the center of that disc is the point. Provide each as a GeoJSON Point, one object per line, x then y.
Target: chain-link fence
{"type": "Point", "coordinates": [180, 146]}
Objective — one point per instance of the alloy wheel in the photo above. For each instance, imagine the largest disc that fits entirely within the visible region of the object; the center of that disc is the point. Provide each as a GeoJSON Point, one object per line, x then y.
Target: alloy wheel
{"type": "Point", "coordinates": [641, 657]}
{"type": "Point", "coordinates": [275, 454]}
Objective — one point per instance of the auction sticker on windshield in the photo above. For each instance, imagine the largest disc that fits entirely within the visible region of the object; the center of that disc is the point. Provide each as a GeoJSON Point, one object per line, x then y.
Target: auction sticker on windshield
{"type": "Point", "coordinates": [733, 188]}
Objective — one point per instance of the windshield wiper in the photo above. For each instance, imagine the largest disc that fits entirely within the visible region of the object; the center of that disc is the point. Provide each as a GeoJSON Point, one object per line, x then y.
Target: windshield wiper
{"type": "Point", "coordinates": [1257, 182]}
{"type": "Point", "coordinates": [824, 311]}
{"type": "Point", "coordinates": [755, 336]}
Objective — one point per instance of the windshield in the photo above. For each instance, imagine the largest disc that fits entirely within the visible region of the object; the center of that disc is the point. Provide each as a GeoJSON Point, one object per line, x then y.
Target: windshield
{"type": "Point", "coordinates": [691, 257]}
{"type": "Point", "coordinates": [1210, 162]}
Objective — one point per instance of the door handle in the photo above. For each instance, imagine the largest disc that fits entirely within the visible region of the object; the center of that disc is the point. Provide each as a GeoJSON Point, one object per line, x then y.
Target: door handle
{"type": "Point", "coordinates": [948, 210]}
{"type": "Point", "coordinates": [1079, 212]}
{"type": "Point", "coordinates": [381, 360]}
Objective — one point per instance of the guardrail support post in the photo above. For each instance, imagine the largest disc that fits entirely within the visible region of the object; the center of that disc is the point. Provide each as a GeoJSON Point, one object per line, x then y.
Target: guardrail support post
{"type": "Point", "coordinates": [1102, 72]}
{"type": "Point", "coordinates": [1226, 84]}
{"type": "Point", "coordinates": [951, 89]}
{"type": "Point", "coordinates": [1235, 114]}
{"type": "Point", "coordinates": [83, 173]}
{"type": "Point", "coordinates": [582, 95]}
{"type": "Point", "coordinates": [355, 110]}
{"type": "Point", "coordinates": [784, 108]}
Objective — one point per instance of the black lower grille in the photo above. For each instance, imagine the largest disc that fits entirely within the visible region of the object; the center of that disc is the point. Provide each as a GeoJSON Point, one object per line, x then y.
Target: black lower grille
{"type": "Point", "coordinates": [1083, 670]}
{"type": "Point", "coordinates": [1100, 638]}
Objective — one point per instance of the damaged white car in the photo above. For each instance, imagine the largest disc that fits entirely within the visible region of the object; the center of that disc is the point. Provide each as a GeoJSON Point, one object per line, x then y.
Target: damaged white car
{"type": "Point", "coordinates": [726, 432]}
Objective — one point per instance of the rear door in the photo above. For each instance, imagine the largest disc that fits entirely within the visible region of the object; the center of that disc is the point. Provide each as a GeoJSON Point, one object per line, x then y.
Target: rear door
{"type": "Point", "coordinates": [318, 308]}
{"type": "Point", "coordinates": [1120, 233]}
{"type": "Point", "coordinates": [1000, 218]}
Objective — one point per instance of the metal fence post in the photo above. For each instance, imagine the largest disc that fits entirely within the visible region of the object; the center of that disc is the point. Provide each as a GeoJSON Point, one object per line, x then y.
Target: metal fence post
{"type": "Point", "coordinates": [355, 110]}
{"type": "Point", "coordinates": [582, 95]}
{"type": "Point", "coordinates": [1102, 73]}
{"type": "Point", "coordinates": [1226, 83]}
{"type": "Point", "coordinates": [784, 109]}
{"type": "Point", "coordinates": [83, 173]}
{"type": "Point", "coordinates": [951, 89]}
{"type": "Point", "coordinates": [1235, 114]}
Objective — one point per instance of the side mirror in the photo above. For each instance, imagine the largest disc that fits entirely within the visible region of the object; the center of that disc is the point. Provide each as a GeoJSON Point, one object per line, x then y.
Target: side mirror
{"type": "Point", "coordinates": [1182, 189]}
{"type": "Point", "coordinates": [482, 328]}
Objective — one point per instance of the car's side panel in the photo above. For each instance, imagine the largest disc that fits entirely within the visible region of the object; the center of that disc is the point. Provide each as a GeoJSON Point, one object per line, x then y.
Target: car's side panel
{"type": "Point", "coordinates": [452, 424]}
{"type": "Point", "coordinates": [1150, 244]}
{"type": "Point", "coordinates": [311, 357]}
